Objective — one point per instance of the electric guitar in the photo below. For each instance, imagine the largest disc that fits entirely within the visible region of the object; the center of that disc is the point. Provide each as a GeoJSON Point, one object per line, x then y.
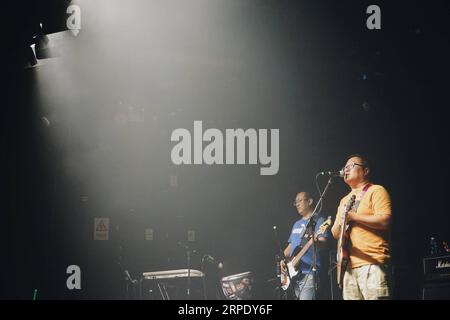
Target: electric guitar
{"type": "Point", "coordinates": [342, 258]}
{"type": "Point", "coordinates": [293, 264]}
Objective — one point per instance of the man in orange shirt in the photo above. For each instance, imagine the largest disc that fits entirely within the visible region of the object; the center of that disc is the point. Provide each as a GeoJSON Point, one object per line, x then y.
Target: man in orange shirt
{"type": "Point", "coordinates": [367, 276]}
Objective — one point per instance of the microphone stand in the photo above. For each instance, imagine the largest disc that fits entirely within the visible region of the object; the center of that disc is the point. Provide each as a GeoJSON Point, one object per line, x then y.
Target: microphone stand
{"type": "Point", "coordinates": [314, 266]}
{"type": "Point", "coordinates": [203, 278]}
{"type": "Point", "coordinates": [188, 255]}
{"type": "Point", "coordinates": [311, 222]}
{"type": "Point", "coordinates": [188, 258]}
{"type": "Point", "coordinates": [278, 258]}
{"type": "Point", "coordinates": [128, 280]}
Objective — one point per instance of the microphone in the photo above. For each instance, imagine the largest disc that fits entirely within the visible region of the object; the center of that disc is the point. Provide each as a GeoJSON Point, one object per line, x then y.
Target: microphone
{"type": "Point", "coordinates": [211, 260]}
{"type": "Point", "coordinates": [339, 173]}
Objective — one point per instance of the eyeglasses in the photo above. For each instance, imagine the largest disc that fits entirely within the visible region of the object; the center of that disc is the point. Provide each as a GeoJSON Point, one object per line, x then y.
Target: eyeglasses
{"type": "Point", "coordinates": [299, 201]}
{"type": "Point", "coordinates": [350, 166]}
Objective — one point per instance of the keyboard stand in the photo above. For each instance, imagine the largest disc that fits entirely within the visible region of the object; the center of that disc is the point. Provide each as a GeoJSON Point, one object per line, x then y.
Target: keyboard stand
{"type": "Point", "coordinates": [163, 291]}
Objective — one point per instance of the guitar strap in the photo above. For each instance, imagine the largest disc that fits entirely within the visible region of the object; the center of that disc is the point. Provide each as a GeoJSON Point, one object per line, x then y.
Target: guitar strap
{"type": "Point", "coordinates": [361, 195]}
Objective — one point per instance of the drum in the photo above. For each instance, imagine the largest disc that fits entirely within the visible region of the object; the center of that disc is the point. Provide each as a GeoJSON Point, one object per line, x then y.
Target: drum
{"type": "Point", "coordinates": [238, 286]}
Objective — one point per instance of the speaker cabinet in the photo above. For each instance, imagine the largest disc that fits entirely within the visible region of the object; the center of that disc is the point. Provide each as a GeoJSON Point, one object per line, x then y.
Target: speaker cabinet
{"type": "Point", "coordinates": [436, 291]}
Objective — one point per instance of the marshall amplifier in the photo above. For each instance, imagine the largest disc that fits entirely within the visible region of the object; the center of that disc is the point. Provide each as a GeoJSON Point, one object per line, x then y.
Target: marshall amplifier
{"type": "Point", "coordinates": [437, 277]}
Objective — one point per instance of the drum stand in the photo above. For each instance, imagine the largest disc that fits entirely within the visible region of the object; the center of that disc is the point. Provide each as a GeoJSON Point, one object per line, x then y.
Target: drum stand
{"type": "Point", "coordinates": [163, 291]}
{"type": "Point", "coordinates": [281, 294]}
{"type": "Point", "coordinates": [188, 258]}
{"type": "Point", "coordinates": [278, 259]}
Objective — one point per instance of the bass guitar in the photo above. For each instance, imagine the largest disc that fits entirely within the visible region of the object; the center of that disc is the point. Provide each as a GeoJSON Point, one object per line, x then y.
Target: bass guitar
{"type": "Point", "coordinates": [293, 264]}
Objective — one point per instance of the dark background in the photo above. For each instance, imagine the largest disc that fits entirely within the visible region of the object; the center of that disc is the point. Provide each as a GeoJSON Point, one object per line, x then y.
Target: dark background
{"type": "Point", "coordinates": [310, 68]}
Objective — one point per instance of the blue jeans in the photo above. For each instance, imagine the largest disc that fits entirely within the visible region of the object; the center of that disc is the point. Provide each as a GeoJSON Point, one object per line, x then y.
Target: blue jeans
{"type": "Point", "coordinates": [304, 287]}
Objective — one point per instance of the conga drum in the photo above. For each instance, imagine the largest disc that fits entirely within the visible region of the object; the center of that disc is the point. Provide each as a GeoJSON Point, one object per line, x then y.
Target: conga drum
{"type": "Point", "coordinates": [238, 286]}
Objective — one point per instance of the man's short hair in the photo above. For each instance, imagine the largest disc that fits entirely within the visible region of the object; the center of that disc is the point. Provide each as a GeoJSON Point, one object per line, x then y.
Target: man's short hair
{"type": "Point", "coordinates": [365, 162]}
{"type": "Point", "coordinates": [307, 195]}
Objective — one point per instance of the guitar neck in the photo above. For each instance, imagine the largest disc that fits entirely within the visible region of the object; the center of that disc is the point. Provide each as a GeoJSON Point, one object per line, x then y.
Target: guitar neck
{"type": "Point", "coordinates": [323, 228]}
{"type": "Point", "coordinates": [296, 259]}
{"type": "Point", "coordinates": [342, 233]}
{"type": "Point", "coordinates": [343, 230]}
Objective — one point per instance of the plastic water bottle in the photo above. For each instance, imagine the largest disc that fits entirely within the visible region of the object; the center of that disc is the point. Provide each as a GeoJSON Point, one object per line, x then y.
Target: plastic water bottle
{"type": "Point", "coordinates": [433, 246]}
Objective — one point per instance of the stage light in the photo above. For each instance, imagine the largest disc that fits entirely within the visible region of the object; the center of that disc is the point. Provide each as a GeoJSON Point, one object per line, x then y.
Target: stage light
{"type": "Point", "coordinates": [29, 56]}
{"type": "Point", "coordinates": [42, 45]}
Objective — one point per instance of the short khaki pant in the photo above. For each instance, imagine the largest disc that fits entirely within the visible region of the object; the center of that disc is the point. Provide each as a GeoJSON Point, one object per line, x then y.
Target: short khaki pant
{"type": "Point", "coordinates": [368, 282]}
